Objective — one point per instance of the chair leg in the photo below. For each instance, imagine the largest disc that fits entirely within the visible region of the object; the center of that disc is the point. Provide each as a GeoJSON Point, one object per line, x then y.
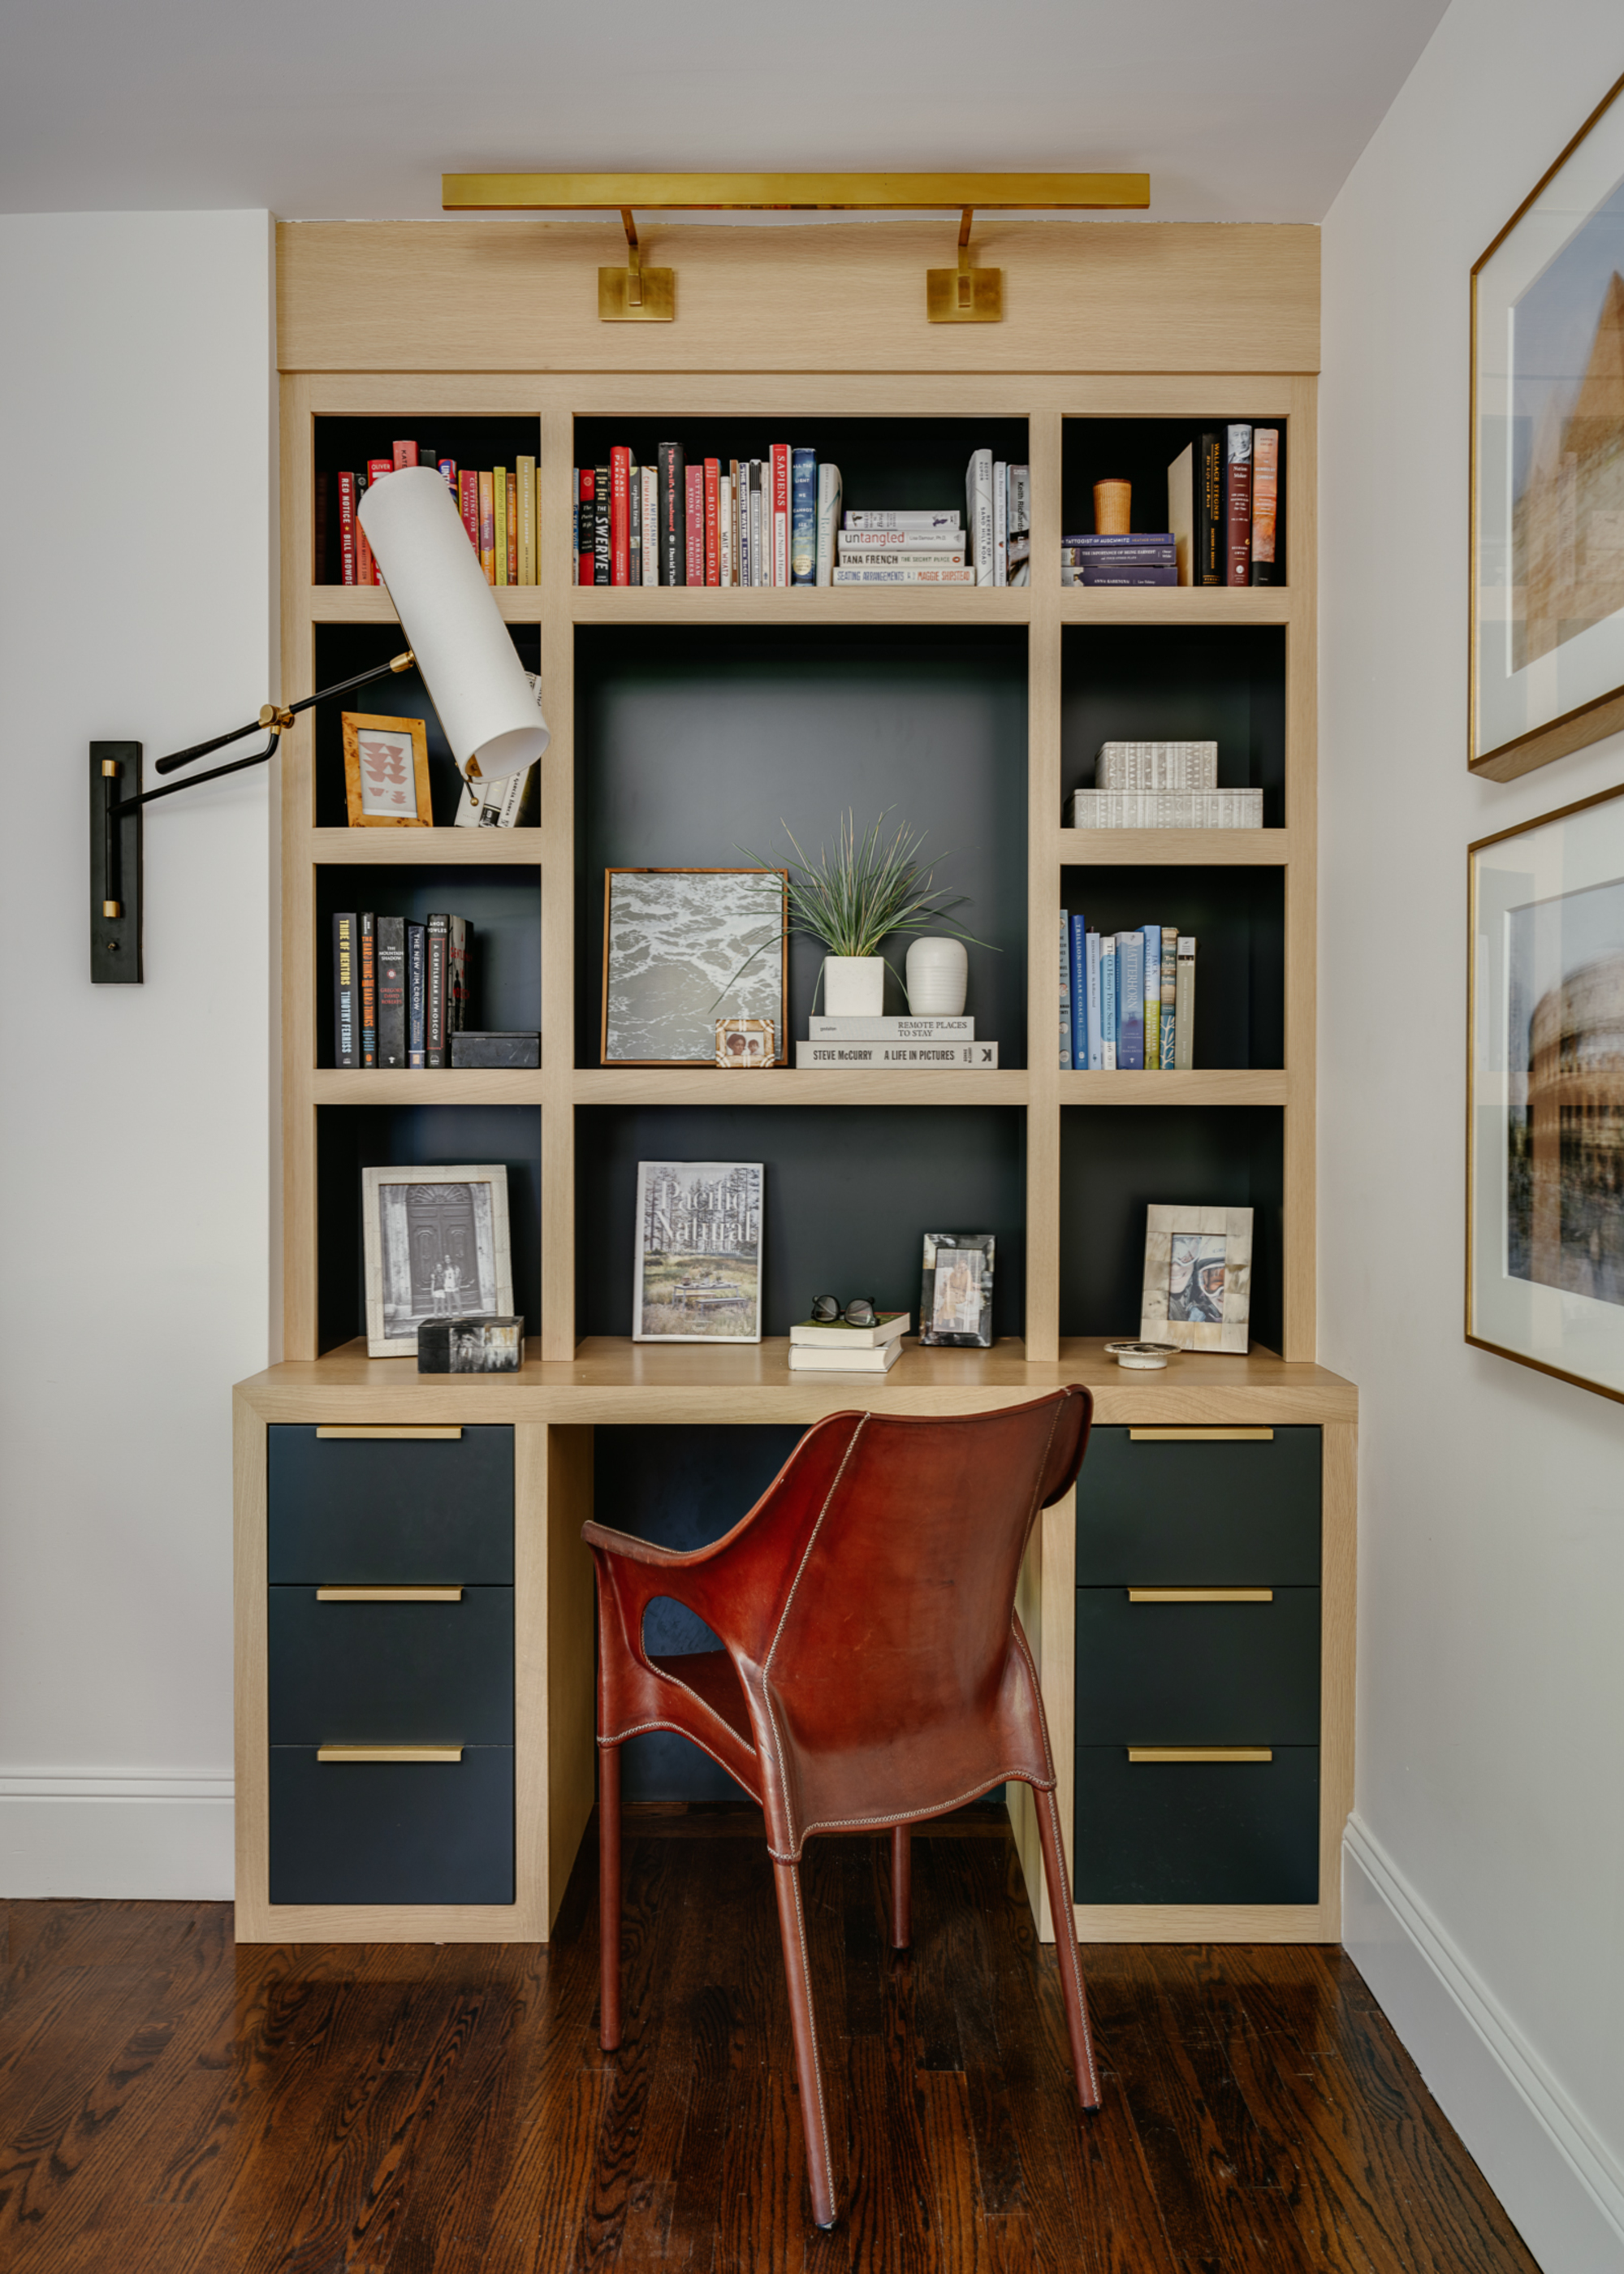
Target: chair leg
{"type": "Point", "coordinates": [797, 1972]}
{"type": "Point", "coordinates": [901, 1887]}
{"type": "Point", "coordinates": [1065, 1949]}
{"type": "Point", "coordinates": [609, 1895]}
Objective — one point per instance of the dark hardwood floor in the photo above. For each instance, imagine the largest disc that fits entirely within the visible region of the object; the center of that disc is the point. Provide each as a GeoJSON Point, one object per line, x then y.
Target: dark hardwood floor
{"type": "Point", "coordinates": [169, 2102]}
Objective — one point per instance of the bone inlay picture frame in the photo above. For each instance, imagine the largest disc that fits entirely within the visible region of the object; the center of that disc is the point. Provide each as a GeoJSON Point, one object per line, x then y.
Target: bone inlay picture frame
{"type": "Point", "coordinates": [1198, 1278]}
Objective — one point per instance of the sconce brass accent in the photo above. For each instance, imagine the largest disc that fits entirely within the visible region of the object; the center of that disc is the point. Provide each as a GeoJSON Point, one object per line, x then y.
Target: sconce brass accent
{"type": "Point", "coordinates": [635, 294]}
{"type": "Point", "coordinates": [964, 295]}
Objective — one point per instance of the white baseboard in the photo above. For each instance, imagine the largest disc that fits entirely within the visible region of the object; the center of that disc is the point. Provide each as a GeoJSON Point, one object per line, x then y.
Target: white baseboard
{"type": "Point", "coordinates": [116, 1835]}
{"type": "Point", "coordinates": [1562, 2186]}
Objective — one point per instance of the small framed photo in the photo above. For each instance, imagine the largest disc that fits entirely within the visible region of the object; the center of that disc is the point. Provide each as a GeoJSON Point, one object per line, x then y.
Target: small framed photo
{"type": "Point", "coordinates": [699, 1244]}
{"type": "Point", "coordinates": [955, 1302]}
{"type": "Point", "coordinates": [437, 1246]}
{"type": "Point", "coordinates": [684, 947]}
{"type": "Point", "coordinates": [1198, 1278]}
{"type": "Point", "coordinates": [386, 772]}
{"type": "Point", "coordinates": [744, 1043]}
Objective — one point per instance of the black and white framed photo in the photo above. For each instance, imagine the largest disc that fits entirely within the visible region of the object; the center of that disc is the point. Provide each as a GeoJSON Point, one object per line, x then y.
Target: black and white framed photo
{"type": "Point", "coordinates": [699, 1247]}
{"type": "Point", "coordinates": [1198, 1278]}
{"type": "Point", "coordinates": [684, 947]}
{"type": "Point", "coordinates": [437, 1246]}
{"type": "Point", "coordinates": [1545, 1252]}
{"type": "Point", "coordinates": [955, 1301]}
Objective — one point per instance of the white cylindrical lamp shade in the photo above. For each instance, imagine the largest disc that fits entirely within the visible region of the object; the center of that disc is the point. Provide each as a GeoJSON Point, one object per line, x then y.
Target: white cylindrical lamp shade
{"type": "Point", "coordinates": [468, 664]}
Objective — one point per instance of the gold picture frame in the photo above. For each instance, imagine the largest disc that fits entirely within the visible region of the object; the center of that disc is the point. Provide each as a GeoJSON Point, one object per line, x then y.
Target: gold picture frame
{"type": "Point", "coordinates": [386, 772]}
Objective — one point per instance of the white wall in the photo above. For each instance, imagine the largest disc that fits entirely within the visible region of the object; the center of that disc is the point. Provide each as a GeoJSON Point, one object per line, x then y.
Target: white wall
{"type": "Point", "coordinates": [136, 600]}
{"type": "Point", "coordinates": [1486, 1867]}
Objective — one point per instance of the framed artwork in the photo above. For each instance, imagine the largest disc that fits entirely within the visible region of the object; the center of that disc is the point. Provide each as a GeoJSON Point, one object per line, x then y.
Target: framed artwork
{"type": "Point", "coordinates": [684, 947]}
{"type": "Point", "coordinates": [1547, 464]}
{"type": "Point", "coordinates": [1198, 1278]}
{"type": "Point", "coordinates": [699, 1241]}
{"type": "Point", "coordinates": [955, 1301]}
{"type": "Point", "coordinates": [386, 772]}
{"type": "Point", "coordinates": [437, 1246]}
{"type": "Point", "coordinates": [1545, 1239]}
{"type": "Point", "coordinates": [744, 1043]}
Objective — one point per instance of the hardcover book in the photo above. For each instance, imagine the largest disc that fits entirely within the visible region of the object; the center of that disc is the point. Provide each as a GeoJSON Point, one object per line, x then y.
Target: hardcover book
{"type": "Point", "coordinates": [435, 1044]}
{"type": "Point", "coordinates": [347, 528]}
{"type": "Point", "coordinates": [904, 577]}
{"type": "Point", "coordinates": [713, 532]}
{"type": "Point", "coordinates": [1170, 997]}
{"type": "Point", "coordinates": [620, 514]}
{"type": "Point", "coordinates": [1000, 522]}
{"type": "Point", "coordinates": [417, 995]}
{"type": "Point", "coordinates": [850, 1056]}
{"type": "Point", "coordinates": [672, 514]}
{"type": "Point", "coordinates": [825, 1029]}
{"type": "Point", "coordinates": [366, 943]}
{"type": "Point", "coordinates": [391, 935]}
{"type": "Point", "coordinates": [804, 1360]}
{"type": "Point", "coordinates": [499, 522]}
{"type": "Point", "coordinates": [602, 506]}
{"type": "Point", "coordinates": [346, 1041]}
{"type": "Point", "coordinates": [487, 529]}
{"type": "Point", "coordinates": [978, 515]}
{"type": "Point", "coordinates": [1184, 1007]}
{"type": "Point", "coordinates": [803, 516]}
{"type": "Point", "coordinates": [1209, 510]}
{"type": "Point", "coordinates": [1266, 472]}
{"type": "Point", "coordinates": [827, 519]}
{"type": "Point", "coordinates": [780, 464]}
{"type": "Point", "coordinates": [1108, 1003]}
{"type": "Point", "coordinates": [1238, 504]}
{"type": "Point", "coordinates": [1151, 934]}
{"type": "Point", "coordinates": [1065, 990]}
{"type": "Point", "coordinates": [1020, 525]}
{"type": "Point", "coordinates": [933, 520]}
{"type": "Point", "coordinates": [650, 525]}
{"type": "Point", "coordinates": [527, 520]}
{"type": "Point", "coordinates": [816, 1333]}
{"type": "Point", "coordinates": [1131, 1002]}
{"type": "Point", "coordinates": [587, 536]}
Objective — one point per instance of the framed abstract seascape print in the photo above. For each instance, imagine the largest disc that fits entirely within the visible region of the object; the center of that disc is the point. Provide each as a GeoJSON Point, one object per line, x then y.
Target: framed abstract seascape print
{"type": "Point", "coordinates": [685, 948]}
{"type": "Point", "coordinates": [1544, 1258]}
{"type": "Point", "coordinates": [1547, 471]}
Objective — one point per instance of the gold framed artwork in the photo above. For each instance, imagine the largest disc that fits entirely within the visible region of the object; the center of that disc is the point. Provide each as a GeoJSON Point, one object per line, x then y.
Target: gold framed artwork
{"type": "Point", "coordinates": [386, 772]}
{"type": "Point", "coordinates": [1198, 1278]}
{"type": "Point", "coordinates": [1544, 1230]}
{"type": "Point", "coordinates": [1547, 464]}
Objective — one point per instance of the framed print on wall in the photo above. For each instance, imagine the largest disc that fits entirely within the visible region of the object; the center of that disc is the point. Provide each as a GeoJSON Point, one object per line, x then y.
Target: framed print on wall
{"type": "Point", "coordinates": [1547, 464]}
{"type": "Point", "coordinates": [684, 947]}
{"type": "Point", "coordinates": [1545, 1246]}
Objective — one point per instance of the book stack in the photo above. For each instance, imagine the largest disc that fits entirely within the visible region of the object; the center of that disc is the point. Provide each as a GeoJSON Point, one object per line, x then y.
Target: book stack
{"type": "Point", "coordinates": [1118, 561]}
{"type": "Point", "coordinates": [499, 509]}
{"type": "Point", "coordinates": [903, 545]}
{"type": "Point", "coordinates": [844, 1045]}
{"type": "Point", "coordinates": [998, 515]}
{"type": "Point", "coordinates": [840, 1349]}
{"type": "Point", "coordinates": [400, 990]}
{"type": "Point", "coordinates": [1127, 999]}
{"type": "Point", "coordinates": [1162, 786]}
{"type": "Point", "coordinates": [761, 522]}
{"type": "Point", "coordinates": [1225, 500]}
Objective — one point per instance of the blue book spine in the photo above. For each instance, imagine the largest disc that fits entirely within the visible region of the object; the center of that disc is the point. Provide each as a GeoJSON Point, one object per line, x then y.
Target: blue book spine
{"type": "Point", "coordinates": [1108, 1003]}
{"type": "Point", "coordinates": [1131, 1001]}
{"type": "Point", "coordinates": [1152, 936]}
{"type": "Point", "coordinates": [803, 517]}
{"type": "Point", "coordinates": [1093, 945]}
{"type": "Point", "coordinates": [1079, 994]}
{"type": "Point", "coordinates": [1065, 989]}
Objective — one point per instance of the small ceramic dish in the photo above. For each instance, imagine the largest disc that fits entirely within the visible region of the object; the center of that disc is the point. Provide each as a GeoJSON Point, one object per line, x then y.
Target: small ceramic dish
{"type": "Point", "coordinates": [1147, 1358]}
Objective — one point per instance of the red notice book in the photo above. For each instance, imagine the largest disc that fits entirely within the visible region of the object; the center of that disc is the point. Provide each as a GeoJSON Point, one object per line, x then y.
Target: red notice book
{"type": "Point", "coordinates": [695, 497]}
{"type": "Point", "coordinates": [588, 522]}
{"type": "Point", "coordinates": [620, 514]}
{"type": "Point", "coordinates": [713, 556]}
{"type": "Point", "coordinates": [347, 528]}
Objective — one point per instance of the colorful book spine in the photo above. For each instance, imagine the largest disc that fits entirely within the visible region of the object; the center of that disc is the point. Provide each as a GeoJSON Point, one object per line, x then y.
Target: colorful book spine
{"type": "Point", "coordinates": [499, 522]}
{"type": "Point", "coordinates": [367, 944]}
{"type": "Point", "coordinates": [513, 526]}
{"type": "Point", "coordinates": [725, 530]}
{"type": "Point", "coordinates": [1265, 504]}
{"type": "Point", "coordinates": [1184, 1007]}
{"type": "Point", "coordinates": [1151, 936]}
{"type": "Point", "coordinates": [780, 514]}
{"type": "Point", "coordinates": [405, 454]}
{"type": "Point", "coordinates": [1131, 1002]}
{"type": "Point", "coordinates": [1091, 949]}
{"type": "Point", "coordinates": [803, 517]}
{"type": "Point", "coordinates": [1168, 1053]}
{"type": "Point", "coordinates": [468, 505]}
{"type": "Point", "coordinates": [436, 1050]}
{"type": "Point", "coordinates": [650, 525]}
{"type": "Point", "coordinates": [1108, 1003]}
{"type": "Point", "coordinates": [829, 491]}
{"type": "Point", "coordinates": [346, 529]}
{"type": "Point", "coordinates": [487, 529]}
{"type": "Point", "coordinates": [526, 518]}
{"type": "Point", "coordinates": [1209, 510]}
{"type": "Point", "coordinates": [739, 493]}
{"type": "Point", "coordinates": [586, 523]}
{"type": "Point", "coordinates": [761, 522]}
{"type": "Point", "coordinates": [1079, 994]}
{"type": "Point", "coordinates": [867, 576]}
{"type": "Point", "coordinates": [1238, 504]}
{"type": "Point", "coordinates": [391, 990]}
{"type": "Point", "coordinates": [346, 1039]}
{"type": "Point", "coordinates": [602, 510]}
{"type": "Point", "coordinates": [634, 520]}
{"type": "Point", "coordinates": [449, 474]}
{"type": "Point", "coordinates": [620, 514]}
{"type": "Point", "coordinates": [713, 525]}
{"type": "Point", "coordinates": [1065, 989]}
{"type": "Point", "coordinates": [366, 567]}
{"type": "Point", "coordinates": [417, 995]}
{"type": "Point", "coordinates": [672, 514]}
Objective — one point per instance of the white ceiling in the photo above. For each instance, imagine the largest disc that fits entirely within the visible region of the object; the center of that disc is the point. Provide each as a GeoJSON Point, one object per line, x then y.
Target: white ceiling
{"type": "Point", "coordinates": [1239, 110]}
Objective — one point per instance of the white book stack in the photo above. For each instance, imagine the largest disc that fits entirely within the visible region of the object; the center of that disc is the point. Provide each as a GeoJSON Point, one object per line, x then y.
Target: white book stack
{"type": "Point", "coordinates": [843, 1045]}
{"type": "Point", "coordinates": [1162, 786]}
{"type": "Point", "coordinates": [903, 548]}
{"type": "Point", "coordinates": [840, 1349]}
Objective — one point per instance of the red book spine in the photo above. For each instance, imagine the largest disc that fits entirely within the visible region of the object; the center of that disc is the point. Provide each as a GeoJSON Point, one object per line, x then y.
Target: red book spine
{"type": "Point", "coordinates": [468, 504]}
{"type": "Point", "coordinates": [588, 522]}
{"type": "Point", "coordinates": [405, 454]}
{"type": "Point", "coordinates": [621, 514]}
{"type": "Point", "coordinates": [780, 554]}
{"type": "Point", "coordinates": [713, 557]}
{"type": "Point", "coordinates": [1238, 506]}
{"type": "Point", "coordinates": [693, 489]}
{"type": "Point", "coordinates": [513, 526]}
{"type": "Point", "coordinates": [347, 528]}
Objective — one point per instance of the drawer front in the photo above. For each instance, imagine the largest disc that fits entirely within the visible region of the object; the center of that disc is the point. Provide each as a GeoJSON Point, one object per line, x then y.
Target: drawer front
{"type": "Point", "coordinates": [1197, 1832]}
{"type": "Point", "coordinates": [1198, 1674]}
{"type": "Point", "coordinates": [369, 1511]}
{"type": "Point", "coordinates": [1219, 1513]}
{"type": "Point", "coordinates": [402, 1674]}
{"type": "Point", "coordinates": [391, 1832]}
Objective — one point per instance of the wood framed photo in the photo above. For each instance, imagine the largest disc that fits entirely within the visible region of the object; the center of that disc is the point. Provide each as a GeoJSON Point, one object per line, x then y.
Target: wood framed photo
{"type": "Point", "coordinates": [744, 1043]}
{"type": "Point", "coordinates": [386, 772]}
{"type": "Point", "coordinates": [699, 1244]}
{"type": "Point", "coordinates": [684, 947]}
{"type": "Point", "coordinates": [1547, 464]}
{"type": "Point", "coordinates": [1198, 1278]}
{"type": "Point", "coordinates": [437, 1246]}
{"type": "Point", "coordinates": [955, 1301]}
{"type": "Point", "coordinates": [1545, 1246]}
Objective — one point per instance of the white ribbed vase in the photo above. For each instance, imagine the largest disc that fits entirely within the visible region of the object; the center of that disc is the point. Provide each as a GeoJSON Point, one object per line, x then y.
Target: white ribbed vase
{"type": "Point", "coordinates": [938, 975]}
{"type": "Point", "coordinates": [854, 986]}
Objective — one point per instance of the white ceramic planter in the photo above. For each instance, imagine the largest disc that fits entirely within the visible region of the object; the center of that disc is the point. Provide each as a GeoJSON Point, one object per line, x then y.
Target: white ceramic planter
{"type": "Point", "coordinates": [938, 975]}
{"type": "Point", "coordinates": [854, 986]}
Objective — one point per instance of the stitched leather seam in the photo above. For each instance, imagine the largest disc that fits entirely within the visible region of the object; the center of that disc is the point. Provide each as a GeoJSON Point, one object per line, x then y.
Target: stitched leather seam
{"type": "Point", "coordinates": [1065, 1932]}
{"type": "Point", "coordinates": [638, 1728]}
{"type": "Point", "coordinates": [1022, 1645]}
{"type": "Point", "coordinates": [772, 1718]}
{"type": "Point", "coordinates": [817, 2072]}
{"type": "Point", "coordinates": [938, 1808]}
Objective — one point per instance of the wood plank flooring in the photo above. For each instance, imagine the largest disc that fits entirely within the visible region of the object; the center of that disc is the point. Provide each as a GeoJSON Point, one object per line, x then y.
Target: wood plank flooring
{"type": "Point", "coordinates": [170, 2103]}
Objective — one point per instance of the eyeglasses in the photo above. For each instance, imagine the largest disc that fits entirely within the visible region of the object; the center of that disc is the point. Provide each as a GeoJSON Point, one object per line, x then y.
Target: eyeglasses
{"type": "Point", "coordinates": [860, 1312]}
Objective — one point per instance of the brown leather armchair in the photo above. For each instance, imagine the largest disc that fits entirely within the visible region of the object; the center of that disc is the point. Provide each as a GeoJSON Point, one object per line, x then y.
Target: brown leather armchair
{"type": "Point", "coordinates": [873, 1672]}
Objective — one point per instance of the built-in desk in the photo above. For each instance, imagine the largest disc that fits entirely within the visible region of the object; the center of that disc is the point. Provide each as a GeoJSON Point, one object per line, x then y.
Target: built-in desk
{"type": "Point", "coordinates": [551, 1408]}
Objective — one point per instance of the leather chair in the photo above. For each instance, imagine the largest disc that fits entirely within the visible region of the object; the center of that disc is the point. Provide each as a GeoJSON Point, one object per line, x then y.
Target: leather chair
{"type": "Point", "coordinates": [873, 1673]}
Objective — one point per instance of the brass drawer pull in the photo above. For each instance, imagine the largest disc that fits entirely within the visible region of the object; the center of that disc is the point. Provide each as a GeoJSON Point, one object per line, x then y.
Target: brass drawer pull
{"type": "Point", "coordinates": [1143, 1754]}
{"type": "Point", "coordinates": [389, 1594]}
{"type": "Point", "coordinates": [1200, 1436]}
{"type": "Point", "coordinates": [415, 1434]}
{"type": "Point", "coordinates": [1200, 1594]}
{"type": "Point", "coordinates": [389, 1752]}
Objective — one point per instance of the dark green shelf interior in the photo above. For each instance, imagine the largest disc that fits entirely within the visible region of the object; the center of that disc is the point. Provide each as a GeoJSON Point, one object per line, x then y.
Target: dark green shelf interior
{"type": "Point", "coordinates": [503, 908]}
{"type": "Point", "coordinates": [1140, 451]}
{"type": "Point", "coordinates": [347, 445]}
{"type": "Point", "coordinates": [1176, 683]}
{"type": "Point", "coordinates": [1237, 917]}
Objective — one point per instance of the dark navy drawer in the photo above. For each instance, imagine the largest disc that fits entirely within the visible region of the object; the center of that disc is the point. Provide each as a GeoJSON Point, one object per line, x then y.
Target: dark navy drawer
{"type": "Point", "coordinates": [391, 1832]}
{"type": "Point", "coordinates": [1197, 1832]}
{"type": "Point", "coordinates": [402, 1674]}
{"type": "Point", "coordinates": [1198, 1674]}
{"type": "Point", "coordinates": [1236, 1511]}
{"type": "Point", "coordinates": [371, 1510]}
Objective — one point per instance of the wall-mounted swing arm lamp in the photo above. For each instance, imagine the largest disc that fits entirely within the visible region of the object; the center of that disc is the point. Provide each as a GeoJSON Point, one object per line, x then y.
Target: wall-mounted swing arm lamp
{"type": "Point", "coordinates": [458, 641]}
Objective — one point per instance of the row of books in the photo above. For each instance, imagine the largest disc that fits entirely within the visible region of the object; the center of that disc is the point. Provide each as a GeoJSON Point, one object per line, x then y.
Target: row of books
{"type": "Point", "coordinates": [815, 1348]}
{"type": "Point", "coordinates": [1162, 786]}
{"type": "Point", "coordinates": [400, 989]}
{"type": "Point", "coordinates": [1127, 999]}
{"type": "Point", "coordinates": [777, 521]}
{"type": "Point", "coordinates": [500, 511]}
{"type": "Point", "coordinates": [843, 1045]}
{"type": "Point", "coordinates": [1225, 520]}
